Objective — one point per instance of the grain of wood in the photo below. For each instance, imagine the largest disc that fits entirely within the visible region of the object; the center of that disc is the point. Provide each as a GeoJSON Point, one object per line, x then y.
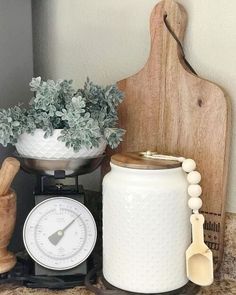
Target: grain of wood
{"type": "Point", "coordinates": [7, 224]}
{"type": "Point", "coordinates": [170, 110]}
{"type": "Point", "coordinates": [138, 161]}
{"type": "Point", "coordinates": [8, 171]}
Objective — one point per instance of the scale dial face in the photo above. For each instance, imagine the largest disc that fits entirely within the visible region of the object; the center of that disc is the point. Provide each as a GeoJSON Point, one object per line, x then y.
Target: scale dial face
{"type": "Point", "coordinates": [59, 233]}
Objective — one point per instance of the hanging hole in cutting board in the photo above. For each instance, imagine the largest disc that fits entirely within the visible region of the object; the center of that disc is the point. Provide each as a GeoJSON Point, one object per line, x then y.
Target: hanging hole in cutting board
{"type": "Point", "coordinates": [168, 26]}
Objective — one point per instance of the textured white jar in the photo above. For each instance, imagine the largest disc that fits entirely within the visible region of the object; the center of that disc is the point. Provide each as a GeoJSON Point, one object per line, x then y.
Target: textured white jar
{"type": "Point", "coordinates": [146, 229]}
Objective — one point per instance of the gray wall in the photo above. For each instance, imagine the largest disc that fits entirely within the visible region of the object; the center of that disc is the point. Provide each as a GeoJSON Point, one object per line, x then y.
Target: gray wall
{"type": "Point", "coordinates": [16, 70]}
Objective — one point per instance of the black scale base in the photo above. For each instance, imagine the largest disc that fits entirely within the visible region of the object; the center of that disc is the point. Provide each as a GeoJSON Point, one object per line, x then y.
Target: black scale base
{"type": "Point", "coordinates": [22, 273]}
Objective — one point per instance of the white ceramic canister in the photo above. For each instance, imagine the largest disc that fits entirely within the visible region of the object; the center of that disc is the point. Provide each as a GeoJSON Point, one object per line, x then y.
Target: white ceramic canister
{"type": "Point", "coordinates": [146, 228]}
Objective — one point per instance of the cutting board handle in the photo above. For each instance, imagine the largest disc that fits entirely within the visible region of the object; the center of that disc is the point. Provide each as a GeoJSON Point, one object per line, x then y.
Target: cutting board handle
{"type": "Point", "coordinates": [160, 35]}
{"type": "Point", "coordinates": [177, 20]}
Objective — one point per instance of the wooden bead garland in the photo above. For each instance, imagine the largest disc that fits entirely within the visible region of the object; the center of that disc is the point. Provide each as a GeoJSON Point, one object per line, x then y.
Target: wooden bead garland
{"type": "Point", "coordinates": [188, 165]}
{"type": "Point", "coordinates": [194, 189]}
{"type": "Point", "coordinates": [193, 178]}
{"type": "Point", "coordinates": [195, 203]}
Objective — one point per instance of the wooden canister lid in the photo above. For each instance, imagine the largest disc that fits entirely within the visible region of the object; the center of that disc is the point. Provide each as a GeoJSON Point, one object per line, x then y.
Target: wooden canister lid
{"type": "Point", "coordinates": [137, 160]}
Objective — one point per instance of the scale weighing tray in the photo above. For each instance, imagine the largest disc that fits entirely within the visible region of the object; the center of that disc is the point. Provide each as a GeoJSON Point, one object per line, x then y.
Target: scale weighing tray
{"type": "Point", "coordinates": [71, 167]}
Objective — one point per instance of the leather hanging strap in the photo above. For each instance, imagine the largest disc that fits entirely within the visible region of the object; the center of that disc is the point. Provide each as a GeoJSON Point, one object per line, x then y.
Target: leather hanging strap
{"type": "Point", "coordinates": [179, 44]}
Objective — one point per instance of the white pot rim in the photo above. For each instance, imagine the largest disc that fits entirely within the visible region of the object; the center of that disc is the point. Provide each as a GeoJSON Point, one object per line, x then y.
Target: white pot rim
{"type": "Point", "coordinates": [35, 146]}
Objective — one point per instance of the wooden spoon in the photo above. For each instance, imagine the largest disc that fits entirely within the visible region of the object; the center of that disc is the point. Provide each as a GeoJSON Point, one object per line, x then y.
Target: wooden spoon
{"type": "Point", "coordinates": [199, 258]}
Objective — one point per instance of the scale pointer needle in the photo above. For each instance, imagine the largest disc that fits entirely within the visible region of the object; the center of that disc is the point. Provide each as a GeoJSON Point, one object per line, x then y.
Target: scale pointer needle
{"type": "Point", "coordinates": [57, 236]}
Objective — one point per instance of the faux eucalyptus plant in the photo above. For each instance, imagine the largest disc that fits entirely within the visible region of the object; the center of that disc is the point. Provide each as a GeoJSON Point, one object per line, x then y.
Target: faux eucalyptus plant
{"type": "Point", "coordinates": [85, 115]}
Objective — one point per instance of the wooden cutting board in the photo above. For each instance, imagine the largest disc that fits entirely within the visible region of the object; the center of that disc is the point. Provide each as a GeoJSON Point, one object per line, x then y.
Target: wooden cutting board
{"type": "Point", "coordinates": [170, 110]}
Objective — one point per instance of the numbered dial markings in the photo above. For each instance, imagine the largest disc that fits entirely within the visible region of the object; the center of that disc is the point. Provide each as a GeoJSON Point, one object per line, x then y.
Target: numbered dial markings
{"type": "Point", "coordinates": [59, 233]}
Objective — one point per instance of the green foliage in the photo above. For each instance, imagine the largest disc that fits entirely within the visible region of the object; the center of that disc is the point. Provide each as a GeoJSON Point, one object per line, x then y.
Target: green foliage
{"type": "Point", "coordinates": [11, 124]}
{"type": "Point", "coordinates": [85, 116]}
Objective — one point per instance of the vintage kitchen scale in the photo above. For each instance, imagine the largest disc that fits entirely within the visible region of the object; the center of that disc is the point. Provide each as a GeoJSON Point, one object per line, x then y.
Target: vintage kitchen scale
{"type": "Point", "coordinates": [60, 232]}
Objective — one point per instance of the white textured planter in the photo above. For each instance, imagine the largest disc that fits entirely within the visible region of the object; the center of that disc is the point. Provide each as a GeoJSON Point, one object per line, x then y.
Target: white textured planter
{"type": "Point", "coordinates": [37, 147]}
{"type": "Point", "coordinates": [146, 229]}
